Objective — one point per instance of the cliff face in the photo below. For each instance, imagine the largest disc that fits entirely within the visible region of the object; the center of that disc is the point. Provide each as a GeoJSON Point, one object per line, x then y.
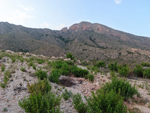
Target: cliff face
{"type": "Point", "coordinates": [85, 40]}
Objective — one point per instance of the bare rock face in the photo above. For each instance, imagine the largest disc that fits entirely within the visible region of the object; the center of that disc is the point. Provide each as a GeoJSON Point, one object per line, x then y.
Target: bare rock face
{"type": "Point", "coordinates": [64, 29]}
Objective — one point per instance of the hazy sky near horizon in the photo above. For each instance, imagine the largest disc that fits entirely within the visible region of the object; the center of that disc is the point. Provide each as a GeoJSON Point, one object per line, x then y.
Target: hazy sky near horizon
{"type": "Point", "coordinates": [132, 16]}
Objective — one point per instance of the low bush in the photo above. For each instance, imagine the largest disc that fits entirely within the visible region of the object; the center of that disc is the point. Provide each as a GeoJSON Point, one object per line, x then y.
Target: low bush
{"type": "Point", "coordinates": [146, 64]}
{"type": "Point", "coordinates": [121, 87]}
{"type": "Point", "coordinates": [78, 72]}
{"type": "Point", "coordinates": [66, 94]}
{"type": "Point", "coordinates": [40, 61]}
{"type": "Point", "coordinates": [37, 103]}
{"type": "Point", "coordinates": [54, 76]}
{"type": "Point", "coordinates": [13, 60]}
{"type": "Point", "coordinates": [69, 55]}
{"type": "Point", "coordinates": [113, 66]}
{"type": "Point", "coordinates": [138, 70]}
{"type": "Point", "coordinates": [2, 68]}
{"type": "Point", "coordinates": [124, 71]}
{"type": "Point", "coordinates": [100, 64]}
{"type": "Point", "coordinates": [112, 73]}
{"type": "Point", "coordinates": [78, 103]}
{"type": "Point", "coordinates": [146, 73]}
{"type": "Point", "coordinates": [109, 102]}
{"type": "Point", "coordinates": [90, 77]}
{"type": "Point", "coordinates": [6, 78]}
{"type": "Point", "coordinates": [41, 74]}
{"type": "Point", "coordinates": [95, 69]}
{"type": "Point", "coordinates": [42, 87]}
{"type": "Point", "coordinates": [23, 69]}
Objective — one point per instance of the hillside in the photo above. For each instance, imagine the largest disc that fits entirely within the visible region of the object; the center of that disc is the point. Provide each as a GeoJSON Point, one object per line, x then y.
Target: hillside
{"type": "Point", "coordinates": [35, 83]}
{"type": "Point", "coordinates": [86, 41]}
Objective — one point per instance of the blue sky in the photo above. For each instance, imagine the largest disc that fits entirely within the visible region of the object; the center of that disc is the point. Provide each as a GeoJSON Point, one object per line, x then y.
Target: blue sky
{"type": "Point", "coordinates": [131, 16]}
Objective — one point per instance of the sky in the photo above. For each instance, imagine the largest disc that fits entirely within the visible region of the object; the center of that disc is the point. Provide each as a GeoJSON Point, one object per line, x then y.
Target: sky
{"type": "Point", "coordinates": [132, 16]}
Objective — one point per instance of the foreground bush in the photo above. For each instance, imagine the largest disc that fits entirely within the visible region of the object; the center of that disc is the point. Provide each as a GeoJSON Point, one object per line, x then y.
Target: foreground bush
{"type": "Point", "coordinates": [138, 70]}
{"type": "Point", "coordinates": [121, 87]}
{"type": "Point", "coordinates": [90, 77]}
{"type": "Point", "coordinates": [78, 72]}
{"type": "Point", "coordinates": [78, 103]}
{"type": "Point", "coordinates": [42, 87]}
{"type": "Point", "coordinates": [146, 73]}
{"type": "Point", "coordinates": [2, 68]}
{"type": "Point", "coordinates": [146, 64]}
{"type": "Point", "coordinates": [66, 94]}
{"type": "Point", "coordinates": [41, 74]}
{"type": "Point", "coordinates": [109, 102]}
{"type": "Point", "coordinates": [36, 103]}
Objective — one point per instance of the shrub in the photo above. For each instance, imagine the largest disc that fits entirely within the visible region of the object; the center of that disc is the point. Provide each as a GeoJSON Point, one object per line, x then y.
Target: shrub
{"type": "Point", "coordinates": [23, 69]}
{"type": "Point", "coordinates": [146, 73]}
{"type": "Point", "coordinates": [138, 70]}
{"type": "Point", "coordinates": [66, 94]}
{"type": "Point", "coordinates": [69, 55]}
{"type": "Point", "coordinates": [146, 64]}
{"type": "Point", "coordinates": [13, 60]}
{"type": "Point", "coordinates": [54, 76]}
{"type": "Point", "coordinates": [113, 67]}
{"type": "Point", "coordinates": [124, 71]}
{"type": "Point", "coordinates": [41, 74]}
{"type": "Point", "coordinates": [40, 61]}
{"type": "Point", "coordinates": [6, 78]}
{"type": "Point", "coordinates": [78, 103]}
{"type": "Point", "coordinates": [109, 102]}
{"type": "Point", "coordinates": [100, 64]}
{"type": "Point", "coordinates": [78, 72]}
{"type": "Point", "coordinates": [112, 73]}
{"type": "Point", "coordinates": [95, 69]}
{"type": "Point", "coordinates": [3, 67]}
{"type": "Point", "coordinates": [121, 87]}
{"type": "Point", "coordinates": [42, 87]}
{"type": "Point", "coordinates": [90, 77]}
{"type": "Point", "coordinates": [36, 103]}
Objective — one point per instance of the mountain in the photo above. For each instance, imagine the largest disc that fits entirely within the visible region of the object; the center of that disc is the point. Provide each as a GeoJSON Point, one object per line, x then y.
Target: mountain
{"type": "Point", "coordinates": [86, 41]}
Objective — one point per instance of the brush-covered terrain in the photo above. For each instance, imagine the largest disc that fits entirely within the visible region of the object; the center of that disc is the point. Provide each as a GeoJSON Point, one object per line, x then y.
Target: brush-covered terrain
{"type": "Point", "coordinates": [38, 84]}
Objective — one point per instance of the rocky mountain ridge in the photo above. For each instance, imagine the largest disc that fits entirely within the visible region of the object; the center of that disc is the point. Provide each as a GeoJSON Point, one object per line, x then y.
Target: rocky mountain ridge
{"type": "Point", "coordinates": [86, 41]}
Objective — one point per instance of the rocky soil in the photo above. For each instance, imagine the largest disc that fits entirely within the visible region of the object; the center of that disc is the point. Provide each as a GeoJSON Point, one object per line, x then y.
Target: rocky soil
{"type": "Point", "coordinates": [16, 88]}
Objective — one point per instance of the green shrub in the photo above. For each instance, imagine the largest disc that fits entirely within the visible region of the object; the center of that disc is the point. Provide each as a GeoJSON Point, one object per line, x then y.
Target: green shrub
{"type": "Point", "coordinates": [138, 70]}
{"type": "Point", "coordinates": [40, 61]}
{"type": "Point", "coordinates": [3, 67]}
{"type": "Point", "coordinates": [109, 102]}
{"type": "Point", "coordinates": [121, 87]}
{"type": "Point", "coordinates": [6, 78]}
{"type": "Point", "coordinates": [23, 69]}
{"type": "Point", "coordinates": [95, 69]}
{"type": "Point", "coordinates": [41, 74]}
{"type": "Point", "coordinates": [69, 55]}
{"type": "Point", "coordinates": [113, 67]}
{"type": "Point", "coordinates": [124, 71]}
{"type": "Point", "coordinates": [112, 73]}
{"type": "Point", "coordinates": [13, 60]}
{"type": "Point", "coordinates": [66, 94]}
{"type": "Point", "coordinates": [146, 64]}
{"type": "Point", "coordinates": [90, 77]}
{"type": "Point", "coordinates": [78, 103]}
{"type": "Point", "coordinates": [37, 103]}
{"type": "Point", "coordinates": [146, 73]}
{"type": "Point", "coordinates": [42, 87]}
{"type": "Point", "coordinates": [100, 64]}
{"type": "Point", "coordinates": [78, 72]}
{"type": "Point", "coordinates": [54, 76]}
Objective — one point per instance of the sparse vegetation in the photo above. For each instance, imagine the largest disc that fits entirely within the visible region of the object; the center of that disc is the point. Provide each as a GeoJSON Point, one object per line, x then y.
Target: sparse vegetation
{"type": "Point", "coordinates": [67, 94]}
{"type": "Point", "coordinates": [41, 74]}
{"type": "Point", "coordinates": [6, 78]}
{"type": "Point", "coordinates": [2, 68]}
{"type": "Point", "coordinates": [23, 69]}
